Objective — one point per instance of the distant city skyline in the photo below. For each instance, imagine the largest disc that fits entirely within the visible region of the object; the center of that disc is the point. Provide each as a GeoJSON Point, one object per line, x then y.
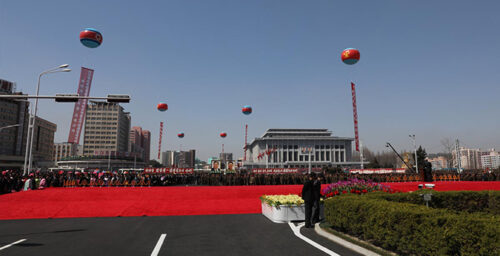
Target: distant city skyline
{"type": "Point", "coordinates": [422, 71]}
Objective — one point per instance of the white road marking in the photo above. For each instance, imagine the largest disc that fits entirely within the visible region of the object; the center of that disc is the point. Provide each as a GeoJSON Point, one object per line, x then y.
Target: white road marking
{"type": "Point", "coordinates": [9, 245]}
{"type": "Point", "coordinates": [296, 231]}
{"type": "Point", "coordinates": [157, 248]}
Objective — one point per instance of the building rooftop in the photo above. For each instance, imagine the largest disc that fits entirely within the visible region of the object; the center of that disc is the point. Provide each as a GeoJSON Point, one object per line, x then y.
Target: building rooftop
{"type": "Point", "coordinates": [275, 133]}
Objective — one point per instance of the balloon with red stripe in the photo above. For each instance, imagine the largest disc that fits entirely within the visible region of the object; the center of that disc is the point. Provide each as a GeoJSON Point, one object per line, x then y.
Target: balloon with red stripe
{"type": "Point", "coordinates": [162, 106]}
{"type": "Point", "coordinates": [180, 135]}
{"type": "Point", "coordinates": [223, 134]}
{"type": "Point", "coordinates": [91, 38]}
{"type": "Point", "coordinates": [247, 110]}
{"type": "Point", "coordinates": [350, 56]}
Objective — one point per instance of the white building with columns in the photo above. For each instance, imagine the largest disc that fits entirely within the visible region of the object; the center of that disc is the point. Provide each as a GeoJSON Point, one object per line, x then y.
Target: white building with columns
{"type": "Point", "coordinates": [297, 148]}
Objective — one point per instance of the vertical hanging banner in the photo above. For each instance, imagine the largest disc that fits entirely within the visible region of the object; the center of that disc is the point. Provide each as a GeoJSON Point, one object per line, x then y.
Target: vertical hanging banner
{"type": "Point", "coordinates": [159, 142]}
{"type": "Point", "coordinates": [81, 106]}
{"type": "Point", "coordinates": [355, 113]}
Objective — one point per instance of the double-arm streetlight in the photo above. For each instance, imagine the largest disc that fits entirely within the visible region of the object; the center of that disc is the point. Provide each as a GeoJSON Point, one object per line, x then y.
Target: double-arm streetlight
{"type": "Point", "coordinates": [28, 158]}
{"type": "Point", "coordinates": [415, 148]}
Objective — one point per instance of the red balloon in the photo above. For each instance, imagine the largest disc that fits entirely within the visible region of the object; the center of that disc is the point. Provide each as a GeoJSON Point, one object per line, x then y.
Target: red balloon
{"type": "Point", "coordinates": [162, 106]}
{"type": "Point", "coordinates": [223, 134]}
{"type": "Point", "coordinates": [350, 56]}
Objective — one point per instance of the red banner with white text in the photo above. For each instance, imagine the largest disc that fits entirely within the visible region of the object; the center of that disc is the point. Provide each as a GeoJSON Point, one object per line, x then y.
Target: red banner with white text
{"type": "Point", "coordinates": [80, 106]}
{"type": "Point", "coordinates": [169, 170]}
{"type": "Point", "coordinates": [377, 171]}
{"type": "Point", "coordinates": [275, 170]}
{"type": "Point", "coordinates": [355, 113]}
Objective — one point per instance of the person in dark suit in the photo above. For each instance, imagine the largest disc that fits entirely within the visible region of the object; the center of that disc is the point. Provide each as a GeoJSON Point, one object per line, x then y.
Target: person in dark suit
{"type": "Point", "coordinates": [308, 196]}
{"type": "Point", "coordinates": [317, 197]}
{"type": "Point", "coordinates": [427, 171]}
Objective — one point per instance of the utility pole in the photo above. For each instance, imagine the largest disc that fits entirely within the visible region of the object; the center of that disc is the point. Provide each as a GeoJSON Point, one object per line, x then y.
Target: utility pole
{"type": "Point", "coordinates": [459, 161]}
{"type": "Point", "coordinates": [361, 154]}
{"type": "Point", "coordinates": [415, 147]}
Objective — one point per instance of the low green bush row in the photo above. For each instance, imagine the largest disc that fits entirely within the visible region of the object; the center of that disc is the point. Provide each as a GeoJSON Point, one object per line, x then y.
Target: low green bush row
{"type": "Point", "coordinates": [462, 201]}
{"type": "Point", "coordinates": [410, 229]}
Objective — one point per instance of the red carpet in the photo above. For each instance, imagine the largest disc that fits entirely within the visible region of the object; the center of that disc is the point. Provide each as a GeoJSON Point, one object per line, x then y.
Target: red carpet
{"type": "Point", "coordinates": [163, 201]}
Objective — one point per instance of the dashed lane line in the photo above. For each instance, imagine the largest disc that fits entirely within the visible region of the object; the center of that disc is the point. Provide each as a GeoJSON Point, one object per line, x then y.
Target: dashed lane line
{"type": "Point", "coordinates": [296, 231]}
{"type": "Point", "coordinates": [11, 244]}
{"type": "Point", "coordinates": [157, 248]}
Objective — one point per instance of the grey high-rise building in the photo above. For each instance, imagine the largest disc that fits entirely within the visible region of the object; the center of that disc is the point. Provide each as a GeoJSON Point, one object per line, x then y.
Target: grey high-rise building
{"type": "Point", "coordinates": [180, 159]}
{"type": "Point", "coordinates": [13, 127]}
{"type": "Point", "coordinates": [107, 129]}
{"type": "Point", "coordinates": [43, 140]}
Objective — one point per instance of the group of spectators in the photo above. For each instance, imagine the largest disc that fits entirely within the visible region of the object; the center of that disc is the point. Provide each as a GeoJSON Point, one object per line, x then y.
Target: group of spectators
{"type": "Point", "coordinates": [12, 181]}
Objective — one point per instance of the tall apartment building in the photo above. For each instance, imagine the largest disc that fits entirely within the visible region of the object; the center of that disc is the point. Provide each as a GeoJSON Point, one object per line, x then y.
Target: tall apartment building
{"type": "Point", "coordinates": [180, 159]}
{"type": "Point", "coordinates": [438, 163]}
{"type": "Point", "coordinates": [187, 159]}
{"type": "Point", "coordinates": [140, 142]}
{"type": "Point", "coordinates": [43, 140]}
{"type": "Point", "coordinates": [107, 128]}
{"type": "Point", "coordinates": [469, 158]}
{"type": "Point", "coordinates": [146, 145]}
{"type": "Point", "coordinates": [135, 143]}
{"type": "Point", "coordinates": [12, 112]}
{"type": "Point", "coordinates": [490, 159]}
{"type": "Point", "coordinates": [170, 158]}
{"type": "Point", "coordinates": [64, 150]}
{"type": "Point", "coordinates": [13, 127]}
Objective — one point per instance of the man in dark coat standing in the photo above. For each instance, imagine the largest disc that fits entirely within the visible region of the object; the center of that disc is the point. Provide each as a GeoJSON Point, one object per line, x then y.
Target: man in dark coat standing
{"type": "Point", "coordinates": [308, 196]}
{"type": "Point", "coordinates": [317, 198]}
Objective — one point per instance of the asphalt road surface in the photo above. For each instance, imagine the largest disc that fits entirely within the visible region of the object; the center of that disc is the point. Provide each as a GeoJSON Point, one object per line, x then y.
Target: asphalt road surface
{"type": "Point", "coordinates": [248, 234]}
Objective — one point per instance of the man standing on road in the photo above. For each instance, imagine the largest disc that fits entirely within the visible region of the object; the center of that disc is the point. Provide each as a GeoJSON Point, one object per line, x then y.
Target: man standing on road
{"type": "Point", "coordinates": [317, 197]}
{"type": "Point", "coordinates": [308, 196]}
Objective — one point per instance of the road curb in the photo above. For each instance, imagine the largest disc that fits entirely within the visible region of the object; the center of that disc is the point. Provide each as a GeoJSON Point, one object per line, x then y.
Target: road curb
{"type": "Point", "coordinates": [343, 242]}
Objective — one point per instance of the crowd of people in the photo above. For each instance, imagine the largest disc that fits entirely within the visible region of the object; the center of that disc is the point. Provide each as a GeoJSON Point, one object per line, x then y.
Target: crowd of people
{"type": "Point", "coordinates": [12, 181]}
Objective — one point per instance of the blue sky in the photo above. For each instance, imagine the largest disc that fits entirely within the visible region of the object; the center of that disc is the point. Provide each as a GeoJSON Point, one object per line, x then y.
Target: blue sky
{"type": "Point", "coordinates": [428, 68]}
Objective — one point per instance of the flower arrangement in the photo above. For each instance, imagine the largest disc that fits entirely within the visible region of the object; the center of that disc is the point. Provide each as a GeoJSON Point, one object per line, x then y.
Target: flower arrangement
{"type": "Point", "coordinates": [277, 200]}
{"type": "Point", "coordinates": [353, 186]}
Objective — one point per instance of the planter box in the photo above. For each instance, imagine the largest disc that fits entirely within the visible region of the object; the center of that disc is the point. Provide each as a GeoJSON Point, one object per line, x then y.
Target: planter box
{"type": "Point", "coordinates": [285, 213]}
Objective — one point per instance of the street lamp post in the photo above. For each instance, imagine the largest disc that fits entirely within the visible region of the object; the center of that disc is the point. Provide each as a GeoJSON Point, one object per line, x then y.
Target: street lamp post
{"type": "Point", "coordinates": [415, 147]}
{"type": "Point", "coordinates": [29, 140]}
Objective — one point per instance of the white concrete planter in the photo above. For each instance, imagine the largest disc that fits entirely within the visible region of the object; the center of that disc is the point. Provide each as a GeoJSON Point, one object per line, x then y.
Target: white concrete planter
{"type": "Point", "coordinates": [285, 213]}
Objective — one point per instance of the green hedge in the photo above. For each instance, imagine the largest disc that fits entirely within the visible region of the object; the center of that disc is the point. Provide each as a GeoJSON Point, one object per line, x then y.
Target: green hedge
{"type": "Point", "coordinates": [462, 201]}
{"type": "Point", "coordinates": [410, 229]}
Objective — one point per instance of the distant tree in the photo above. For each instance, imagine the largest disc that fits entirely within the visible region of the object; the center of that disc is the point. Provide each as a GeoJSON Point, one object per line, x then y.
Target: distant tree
{"type": "Point", "coordinates": [421, 156]}
{"type": "Point", "coordinates": [154, 163]}
{"type": "Point", "coordinates": [448, 147]}
{"type": "Point", "coordinates": [373, 164]}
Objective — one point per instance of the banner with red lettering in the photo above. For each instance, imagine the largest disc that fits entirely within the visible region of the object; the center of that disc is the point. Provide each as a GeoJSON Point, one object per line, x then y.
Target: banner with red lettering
{"type": "Point", "coordinates": [169, 170]}
{"type": "Point", "coordinates": [274, 170]}
{"type": "Point", "coordinates": [377, 171]}
{"type": "Point", "coordinates": [81, 106]}
{"type": "Point", "coordinates": [355, 113]}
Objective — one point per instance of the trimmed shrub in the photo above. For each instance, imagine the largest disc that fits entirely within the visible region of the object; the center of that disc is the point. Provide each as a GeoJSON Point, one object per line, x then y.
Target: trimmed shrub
{"type": "Point", "coordinates": [411, 229]}
{"type": "Point", "coordinates": [462, 201]}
